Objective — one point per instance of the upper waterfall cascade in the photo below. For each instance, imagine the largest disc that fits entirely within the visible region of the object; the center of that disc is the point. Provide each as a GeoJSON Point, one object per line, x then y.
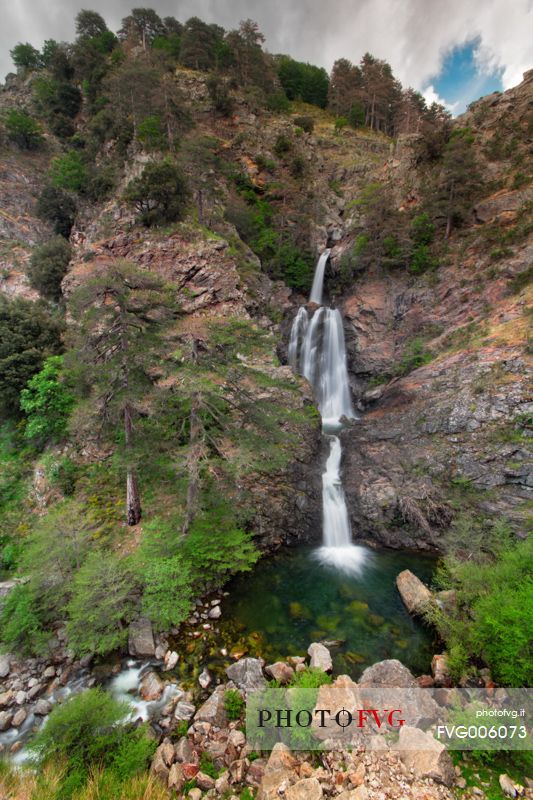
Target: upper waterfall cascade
{"type": "Point", "coordinates": [317, 351]}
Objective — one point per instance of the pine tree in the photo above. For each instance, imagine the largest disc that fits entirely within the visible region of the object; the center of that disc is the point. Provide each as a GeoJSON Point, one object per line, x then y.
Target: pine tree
{"type": "Point", "coordinates": [121, 313]}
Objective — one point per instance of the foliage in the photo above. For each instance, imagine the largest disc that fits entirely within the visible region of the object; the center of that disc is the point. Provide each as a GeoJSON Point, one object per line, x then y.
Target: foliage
{"type": "Point", "coordinates": [21, 625]}
{"type": "Point", "coordinates": [415, 355]}
{"type": "Point", "coordinates": [282, 145]}
{"type": "Point", "coordinates": [25, 55]}
{"type": "Point", "coordinates": [23, 130]}
{"type": "Point", "coordinates": [101, 605]}
{"type": "Point", "coordinates": [219, 93]}
{"type": "Point", "coordinates": [167, 591]}
{"type": "Point", "coordinates": [492, 617]}
{"type": "Point", "coordinates": [150, 133]}
{"type": "Point", "coordinates": [89, 24]}
{"type": "Point", "coordinates": [278, 102]}
{"type": "Point", "coordinates": [47, 403]}
{"type": "Point", "coordinates": [233, 703]}
{"type": "Point", "coordinates": [301, 81]}
{"type": "Point", "coordinates": [87, 732]}
{"type": "Point", "coordinates": [57, 97]}
{"type": "Point", "coordinates": [48, 266]}
{"type": "Point", "coordinates": [422, 229]}
{"type": "Point", "coordinates": [160, 194]}
{"type": "Point", "coordinates": [310, 679]}
{"type": "Point", "coordinates": [69, 172]}
{"type": "Point", "coordinates": [307, 124]}
{"type": "Point", "coordinates": [29, 333]}
{"type": "Point", "coordinates": [56, 206]}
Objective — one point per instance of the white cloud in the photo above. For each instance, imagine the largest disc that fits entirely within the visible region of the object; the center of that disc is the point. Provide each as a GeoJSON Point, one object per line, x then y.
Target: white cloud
{"type": "Point", "coordinates": [431, 96]}
{"type": "Point", "coordinates": [413, 35]}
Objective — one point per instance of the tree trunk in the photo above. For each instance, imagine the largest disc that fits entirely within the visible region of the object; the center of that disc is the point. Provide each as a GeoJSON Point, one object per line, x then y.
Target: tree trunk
{"type": "Point", "coordinates": [133, 499]}
{"type": "Point", "coordinates": [193, 463]}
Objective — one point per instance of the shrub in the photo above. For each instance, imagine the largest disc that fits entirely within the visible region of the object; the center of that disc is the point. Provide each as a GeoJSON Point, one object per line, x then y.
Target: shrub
{"type": "Point", "coordinates": [88, 731]}
{"type": "Point", "coordinates": [48, 266]}
{"type": "Point", "coordinates": [21, 624]}
{"type": "Point", "coordinates": [233, 703]}
{"type": "Point", "coordinates": [23, 130]}
{"type": "Point", "coordinates": [160, 194]}
{"type": "Point", "coordinates": [356, 116]}
{"type": "Point", "coordinates": [282, 145]}
{"type": "Point", "coordinates": [168, 594]}
{"type": "Point", "coordinates": [47, 403]}
{"type": "Point", "coordinates": [56, 206]}
{"type": "Point", "coordinates": [219, 93]}
{"type": "Point", "coordinates": [340, 123]}
{"type": "Point", "coordinates": [422, 229]}
{"type": "Point", "coordinates": [493, 616]}
{"type": "Point", "coordinates": [422, 260]}
{"type": "Point", "coordinates": [69, 172]}
{"type": "Point", "coordinates": [278, 102]}
{"type": "Point", "coordinates": [307, 124]}
{"type": "Point", "coordinates": [28, 335]}
{"type": "Point", "coordinates": [101, 606]}
{"type": "Point", "coordinates": [298, 167]}
{"type": "Point", "coordinates": [415, 355]}
{"type": "Point", "coordinates": [150, 133]}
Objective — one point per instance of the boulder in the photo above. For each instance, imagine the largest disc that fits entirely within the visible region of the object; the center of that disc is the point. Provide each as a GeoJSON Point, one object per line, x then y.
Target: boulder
{"type": "Point", "coordinates": [171, 659]}
{"type": "Point", "coordinates": [507, 786]}
{"type": "Point", "coordinates": [388, 674]}
{"type": "Point", "coordinates": [213, 711]}
{"type": "Point", "coordinates": [184, 750]}
{"type": "Point", "coordinates": [361, 793]}
{"type": "Point", "coordinates": [423, 754]}
{"type": "Point", "coordinates": [176, 778]}
{"type": "Point", "coordinates": [19, 717]}
{"type": "Point", "coordinates": [151, 687]}
{"type": "Point", "coordinates": [415, 594]}
{"type": "Point", "coordinates": [159, 765]}
{"type": "Point", "coordinates": [320, 657]}
{"type": "Point", "coordinates": [307, 789]}
{"type": "Point", "coordinates": [215, 613]}
{"type": "Point", "coordinates": [247, 674]}
{"type": "Point", "coordinates": [141, 638]}
{"type": "Point", "coordinates": [4, 666]}
{"type": "Point", "coordinates": [6, 718]}
{"type": "Point", "coordinates": [205, 782]}
{"type": "Point", "coordinates": [440, 670]}
{"type": "Point", "coordinates": [280, 672]}
{"type": "Point", "coordinates": [204, 679]}
{"type": "Point", "coordinates": [42, 707]}
{"type": "Point", "coordinates": [184, 711]}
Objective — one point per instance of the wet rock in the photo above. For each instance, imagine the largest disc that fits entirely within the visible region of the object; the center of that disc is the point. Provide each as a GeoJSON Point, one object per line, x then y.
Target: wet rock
{"type": "Point", "coordinates": [423, 754]}
{"type": "Point", "coordinates": [280, 672]}
{"type": "Point", "coordinates": [307, 789]}
{"type": "Point", "coordinates": [215, 613]}
{"type": "Point", "coordinates": [5, 720]}
{"type": "Point", "coordinates": [42, 707]}
{"type": "Point", "coordinates": [247, 674]}
{"type": "Point", "coordinates": [415, 594]}
{"type": "Point", "coordinates": [19, 718]}
{"type": "Point", "coordinates": [151, 687]}
{"type": "Point", "coordinates": [171, 659]}
{"type": "Point", "coordinates": [320, 657]}
{"type": "Point", "coordinates": [388, 674]}
{"type": "Point", "coordinates": [161, 651]}
{"type": "Point", "coordinates": [204, 679]}
{"type": "Point", "coordinates": [141, 638]}
{"type": "Point", "coordinates": [35, 690]}
{"type": "Point", "coordinates": [213, 711]}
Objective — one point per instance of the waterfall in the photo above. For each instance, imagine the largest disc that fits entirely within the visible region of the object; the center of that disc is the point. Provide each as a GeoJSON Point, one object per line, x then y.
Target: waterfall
{"type": "Point", "coordinates": [318, 280]}
{"type": "Point", "coordinates": [317, 351]}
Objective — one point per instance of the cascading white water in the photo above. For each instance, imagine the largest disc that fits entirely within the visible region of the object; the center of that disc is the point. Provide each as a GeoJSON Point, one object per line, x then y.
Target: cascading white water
{"type": "Point", "coordinates": [317, 351]}
{"type": "Point", "coordinates": [318, 280]}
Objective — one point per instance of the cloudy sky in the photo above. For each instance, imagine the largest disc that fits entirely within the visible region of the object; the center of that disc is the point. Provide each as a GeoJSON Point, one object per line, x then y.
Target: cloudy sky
{"type": "Point", "coordinates": [451, 50]}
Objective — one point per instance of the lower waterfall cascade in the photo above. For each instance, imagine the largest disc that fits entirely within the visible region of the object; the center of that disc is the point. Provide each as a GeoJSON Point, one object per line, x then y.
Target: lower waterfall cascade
{"type": "Point", "coordinates": [317, 351]}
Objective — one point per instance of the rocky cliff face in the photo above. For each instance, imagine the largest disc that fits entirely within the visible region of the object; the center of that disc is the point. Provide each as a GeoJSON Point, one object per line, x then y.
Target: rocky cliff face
{"type": "Point", "coordinates": [453, 435]}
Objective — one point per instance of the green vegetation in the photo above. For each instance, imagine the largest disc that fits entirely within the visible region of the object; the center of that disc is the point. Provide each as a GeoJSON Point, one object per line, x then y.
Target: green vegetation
{"type": "Point", "coordinates": [57, 207]}
{"type": "Point", "coordinates": [48, 266]}
{"type": "Point", "coordinates": [47, 402]}
{"type": "Point", "coordinates": [23, 130]}
{"type": "Point", "coordinates": [233, 703]}
{"type": "Point", "coordinates": [88, 734]}
{"type": "Point", "coordinates": [491, 618]}
{"type": "Point", "coordinates": [29, 333]}
{"type": "Point", "coordinates": [160, 194]}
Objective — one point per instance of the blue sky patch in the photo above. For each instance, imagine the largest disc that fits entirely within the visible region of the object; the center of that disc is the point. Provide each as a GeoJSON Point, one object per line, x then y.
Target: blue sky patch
{"type": "Point", "coordinates": [462, 79]}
